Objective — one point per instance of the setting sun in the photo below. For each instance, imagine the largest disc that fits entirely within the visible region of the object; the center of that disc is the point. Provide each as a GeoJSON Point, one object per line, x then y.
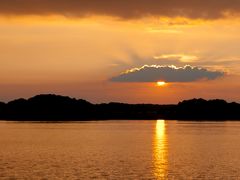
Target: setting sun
{"type": "Point", "coordinates": [161, 83]}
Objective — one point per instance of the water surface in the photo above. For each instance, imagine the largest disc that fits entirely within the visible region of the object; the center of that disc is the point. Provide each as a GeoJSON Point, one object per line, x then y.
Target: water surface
{"type": "Point", "coordinates": [120, 150]}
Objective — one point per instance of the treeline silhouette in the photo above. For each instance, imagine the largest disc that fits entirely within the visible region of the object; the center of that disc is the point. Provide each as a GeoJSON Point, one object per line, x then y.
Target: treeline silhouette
{"type": "Point", "coordinates": [63, 108]}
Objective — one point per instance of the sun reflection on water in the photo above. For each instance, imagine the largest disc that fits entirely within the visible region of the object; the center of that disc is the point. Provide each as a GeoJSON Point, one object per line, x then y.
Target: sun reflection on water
{"type": "Point", "coordinates": [160, 152]}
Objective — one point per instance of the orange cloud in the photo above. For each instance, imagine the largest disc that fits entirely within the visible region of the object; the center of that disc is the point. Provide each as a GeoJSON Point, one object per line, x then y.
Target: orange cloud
{"type": "Point", "coordinates": [210, 9]}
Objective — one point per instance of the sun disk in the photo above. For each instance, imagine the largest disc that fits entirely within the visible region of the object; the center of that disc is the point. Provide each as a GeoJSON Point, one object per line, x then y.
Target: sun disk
{"type": "Point", "coordinates": [161, 83]}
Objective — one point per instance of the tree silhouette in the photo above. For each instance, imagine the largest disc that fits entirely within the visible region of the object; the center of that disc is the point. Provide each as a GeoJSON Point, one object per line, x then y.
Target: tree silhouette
{"type": "Point", "coordinates": [58, 108]}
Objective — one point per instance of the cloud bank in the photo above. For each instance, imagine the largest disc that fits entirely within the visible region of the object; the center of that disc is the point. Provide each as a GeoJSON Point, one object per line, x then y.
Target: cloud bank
{"type": "Point", "coordinates": [154, 73]}
{"type": "Point", "coordinates": [210, 9]}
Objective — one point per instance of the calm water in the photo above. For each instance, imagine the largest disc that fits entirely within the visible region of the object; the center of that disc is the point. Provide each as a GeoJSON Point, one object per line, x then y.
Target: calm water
{"type": "Point", "coordinates": [120, 150]}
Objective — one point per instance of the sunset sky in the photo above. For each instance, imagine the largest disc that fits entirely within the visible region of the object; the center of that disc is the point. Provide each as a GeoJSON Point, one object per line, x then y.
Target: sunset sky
{"type": "Point", "coordinates": [105, 50]}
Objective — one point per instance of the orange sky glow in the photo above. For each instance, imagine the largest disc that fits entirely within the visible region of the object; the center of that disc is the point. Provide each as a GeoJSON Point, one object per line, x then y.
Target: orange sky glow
{"type": "Point", "coordinates": [79, 55]}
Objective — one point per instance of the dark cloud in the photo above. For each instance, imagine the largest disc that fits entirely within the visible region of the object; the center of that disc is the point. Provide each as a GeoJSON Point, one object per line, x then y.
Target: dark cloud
{"type": "Point", "coordinates": [154, 73]}
{"type": "Point", "coordinates": [122, 8]}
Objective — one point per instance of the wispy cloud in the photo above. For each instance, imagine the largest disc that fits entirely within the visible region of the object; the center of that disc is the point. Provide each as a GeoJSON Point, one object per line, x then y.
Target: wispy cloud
{"type": "Point", "coordinates": [210, 9]}
{"type": "Point", "coordinates": [164, 31]}
{"type": "Point", "coordinates": [153, 73]}
{"type": "Point", "coordinates": [181, 57]}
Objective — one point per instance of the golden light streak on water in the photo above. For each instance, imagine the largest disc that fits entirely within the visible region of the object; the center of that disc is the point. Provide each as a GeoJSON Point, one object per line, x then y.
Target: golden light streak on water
{"type": "Point", "coordinates": [160, 151]}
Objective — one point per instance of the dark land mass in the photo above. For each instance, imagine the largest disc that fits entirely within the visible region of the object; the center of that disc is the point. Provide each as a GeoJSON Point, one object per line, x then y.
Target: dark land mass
{"type": "Point", "coordinates": [61, 108]}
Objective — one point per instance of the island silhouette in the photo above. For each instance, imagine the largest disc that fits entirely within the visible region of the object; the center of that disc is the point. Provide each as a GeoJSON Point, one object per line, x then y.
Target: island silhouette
{"type": "Point", "coordinates": [50, 107]}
